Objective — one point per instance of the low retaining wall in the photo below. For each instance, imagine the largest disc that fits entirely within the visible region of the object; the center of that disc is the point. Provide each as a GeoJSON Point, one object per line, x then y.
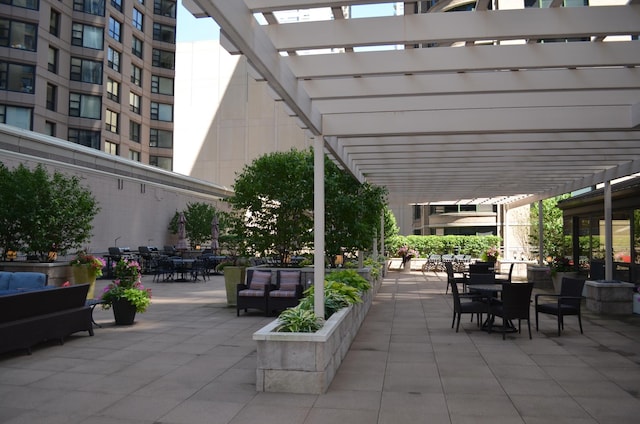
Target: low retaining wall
{"type": "Point", "coordinates": [610, 298]}
{"type": "Point", "coordinates": [307, 362]}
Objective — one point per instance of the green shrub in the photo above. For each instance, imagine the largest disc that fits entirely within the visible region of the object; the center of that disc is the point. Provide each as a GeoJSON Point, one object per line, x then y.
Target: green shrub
{"type": "Point", "coordinates": [349, 277]}
{"type": "Point", "coordinates": [298, 320]}
{"type": "Point", "coordinates": [336, 296]}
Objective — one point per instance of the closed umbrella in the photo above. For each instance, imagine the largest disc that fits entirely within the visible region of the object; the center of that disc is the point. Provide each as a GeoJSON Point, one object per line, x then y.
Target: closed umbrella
{"type": "Point", "coordinates": [215, 233]}
{"type": "Point", "coordinates": [182, 233]}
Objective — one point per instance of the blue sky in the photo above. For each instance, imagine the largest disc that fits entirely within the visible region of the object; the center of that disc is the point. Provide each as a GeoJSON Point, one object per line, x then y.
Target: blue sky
{"type": "Point", "coordinates": [192, 29]}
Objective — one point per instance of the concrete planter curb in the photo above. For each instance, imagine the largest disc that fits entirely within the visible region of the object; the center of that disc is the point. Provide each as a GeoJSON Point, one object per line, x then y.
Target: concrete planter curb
{"type": "Point", "coordinates": [307, 362]}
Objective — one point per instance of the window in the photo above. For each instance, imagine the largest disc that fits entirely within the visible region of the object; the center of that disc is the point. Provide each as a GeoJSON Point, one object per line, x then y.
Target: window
{"type": "Point", "coordinates": [164, 33]}
{"type": "Point", "coordinates": [117, 4]}
{"type": "Point", "coordinates": [163, 59]}
{"type": "Point", "coordinates": [50, 128]}
{"type": "Point", "coordinates": [134, 131]}
{"type": "Point", "coordinates": [92, 7]}
{"type": "Point", "coordinates": [87, 36]}
{"type": "Point", "coordinates": [18, 35]}
{"type": "Point", "coordinates": [111, 121]}
{"type": "Point", "coordinates": [113, 90]}
{"type": "Point", "coordinates": [133, 155]}
{"type": "Point", "coordinates": [17, 77]}
{"type": "Point", "coordinates": [84, 105]}
{"type": "Point", "coordinates": [161, 162]}
{"type": "Point", "coordinates": [86, 70]}
{"type": "Point", "coordinates": [16, 116]}
{"type": "Point", "coordinates": [137, 19]}
{"type": "Point", "coordinates": [86, 138]}
{"type": "Point", "coordinates": [136, 47]}
{"type": "Point", "coordinates": [26, 4]}
{"type": "Point", "coordinates": [114, 28]}
{"type": "Point", "coordinates": [113, 59]}
{"type": "Point", "coordinates": [141, 1]}
{"type": "Point", "coordinates": [52, 96]}
{"type": "Point", "coordinates": [136, 75]}
{"type": "Point", "coordinates": [161, 85]}
{"type": "Point", "coordinates": [161, 138]}
{"type": "Point", "coordinates": [134, 103]}
{"type": "Point", "coordinates": [165, 8]}
{"type": "Point", "coordinates": [54, 23]}
{"type": "Point", "coordinates": [52, 60]}
{"type": "Point", "coordinates": [111, 148]}
{"type": "Point", "coordinates": [161, 112]}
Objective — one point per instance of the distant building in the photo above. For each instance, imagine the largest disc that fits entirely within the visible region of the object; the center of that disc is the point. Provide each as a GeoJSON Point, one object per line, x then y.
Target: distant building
{"type": "Point", "coordinates": [100, 74]}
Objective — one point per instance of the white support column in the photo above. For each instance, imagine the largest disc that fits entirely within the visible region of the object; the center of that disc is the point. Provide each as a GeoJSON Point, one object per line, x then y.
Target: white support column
{"type": "Point", "coordinates": [318, 225]}
{"type": "Point", "coordinates": [608, 233]}
{"type": "Point", "coordinates": [540, 233]}
{"type": "Point", "coordinates": [382, 234]}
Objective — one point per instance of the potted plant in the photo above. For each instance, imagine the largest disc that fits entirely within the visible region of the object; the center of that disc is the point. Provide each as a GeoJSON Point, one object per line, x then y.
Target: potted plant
{"type": "Point", "coordinates": [560, 267]}
{"type": "Point", "coordinates": [491, 254]}
{"type": "Point", "coordinates": [126, 294]}
{"type": "Point", "coordinates": [86, 268]}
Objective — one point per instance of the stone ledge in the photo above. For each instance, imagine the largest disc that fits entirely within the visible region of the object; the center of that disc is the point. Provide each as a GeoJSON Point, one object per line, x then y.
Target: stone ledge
{"type": "Point", "coordinates": [307, 362]}
{"type": "Point", "coordinates": [609, 297]}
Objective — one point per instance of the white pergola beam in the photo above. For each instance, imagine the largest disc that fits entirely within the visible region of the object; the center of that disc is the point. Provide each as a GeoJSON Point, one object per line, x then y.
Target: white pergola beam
{"type": "Point", "coordinates": [447, 28]}
{"type": "Point", "coordinates": [479, 120]}
{"type": "Point", "coordinates": [467, 59]}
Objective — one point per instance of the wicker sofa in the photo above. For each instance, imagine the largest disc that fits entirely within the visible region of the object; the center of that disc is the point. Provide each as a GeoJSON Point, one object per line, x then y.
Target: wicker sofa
{"type": "Point", "coordinates": [31, 317]}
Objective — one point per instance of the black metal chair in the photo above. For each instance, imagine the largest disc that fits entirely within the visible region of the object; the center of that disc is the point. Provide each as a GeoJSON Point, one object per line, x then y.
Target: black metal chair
{"type": "Point", "coordinates": [451, 277]}
{"type": "Point", "coordinates": [515, 304]}
{"type": "Point", "coordinates": [567, 302]}
{"type": "Point", "coordinates": [470, 305]}
{"type": "Point", "coordinates": [506, 279]}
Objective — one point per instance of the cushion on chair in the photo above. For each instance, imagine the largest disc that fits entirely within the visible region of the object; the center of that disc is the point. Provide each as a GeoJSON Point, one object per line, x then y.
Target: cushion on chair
{"type": "Point", "coordinates": [27, 280]}
{"type": "Point", "coordinates": [251, 293]}
{"type": "Point", "coordinates": [282, 293]}
{"type": "Point", "coordinates": [4, 280]}
{"type": "Point", "coordinates": [259, 280]}
{"type": "Point", "coordinates": [289, 280]}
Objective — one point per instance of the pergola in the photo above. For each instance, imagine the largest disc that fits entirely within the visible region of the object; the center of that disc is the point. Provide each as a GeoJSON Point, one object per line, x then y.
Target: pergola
{"type": "Point", "coordinates": [504, 106]}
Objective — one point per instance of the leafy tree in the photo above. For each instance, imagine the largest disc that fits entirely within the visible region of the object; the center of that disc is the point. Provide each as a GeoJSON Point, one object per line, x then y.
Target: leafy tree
{"type": "Point", "coordinates": [42, 212]}
{"type": "Point", "coordinates": [275, 195]}
{"type": "Point", "coordinates": [198, 227]}
{"type": "Point", "coordinates": [554, 242]}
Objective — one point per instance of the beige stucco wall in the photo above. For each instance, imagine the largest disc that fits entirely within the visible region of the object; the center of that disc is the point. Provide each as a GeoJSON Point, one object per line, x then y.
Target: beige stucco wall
{"type": "Point", "coordinates": [224, 118]}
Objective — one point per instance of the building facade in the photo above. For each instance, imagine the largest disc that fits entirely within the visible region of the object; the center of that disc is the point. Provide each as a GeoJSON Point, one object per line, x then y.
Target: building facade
{"type": "Point", "coordinates": [99, 74]}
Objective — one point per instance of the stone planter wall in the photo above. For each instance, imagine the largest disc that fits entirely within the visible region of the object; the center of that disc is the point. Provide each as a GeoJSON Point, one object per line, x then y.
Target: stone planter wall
{"type": "Point", "coordinates": [307, 362]}
{"type": "Point", "coordinates": [57, 272]}
{"type": "Point", "coordinates": [540, 276]}
{"type": "Point", "coordinates": [610, 298]}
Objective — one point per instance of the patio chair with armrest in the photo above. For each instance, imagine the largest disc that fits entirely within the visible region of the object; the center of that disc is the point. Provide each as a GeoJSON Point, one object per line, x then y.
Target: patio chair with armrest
{"type": "Point", "coordinates": [451, 276]}
{"type": "Point", "coordinates": [515, 304]}
{"type": "Point", "coordinates": [505, 278]}
{"type": "Point", "coordinates": [567, 302]}
{"type": "Point", "coordinates": [255, 293]}
{"type": "Point", "coordinates": [466, 304]}
{"type": "Point", "coordinates": [288, 291]}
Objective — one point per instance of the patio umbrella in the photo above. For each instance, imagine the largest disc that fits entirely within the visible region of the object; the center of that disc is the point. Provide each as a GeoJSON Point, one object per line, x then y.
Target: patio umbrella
{"type": "Point", "coordinates": [215, 233]}
{"type": "Point", "coordinates": [182, 233]}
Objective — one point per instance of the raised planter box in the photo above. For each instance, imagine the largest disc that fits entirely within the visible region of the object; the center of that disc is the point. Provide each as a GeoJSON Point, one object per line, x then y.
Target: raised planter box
{"type": "Point", "coordinates": [307, 362]}
{"type": "Point", "coordinates": [57, 272]}
{"type": "Point", "coordinates": [610, 297]}
{"type": "Point", "coordinates": [540, 276]}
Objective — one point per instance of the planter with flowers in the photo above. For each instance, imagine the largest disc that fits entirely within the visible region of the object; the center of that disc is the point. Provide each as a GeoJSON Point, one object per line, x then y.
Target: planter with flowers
{"type": "Point", "coordinates": [492, 254]}
{"type": "Point", "coordinates": [85, 268]}
{"type": "Point", "coordinates": [561, 267]}
{"type": "Point", "coordinates": [126, 294]}
{"type": "Point", "coordinates": [407, 254]}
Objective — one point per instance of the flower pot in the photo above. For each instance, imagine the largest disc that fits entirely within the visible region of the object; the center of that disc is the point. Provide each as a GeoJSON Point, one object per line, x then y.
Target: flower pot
{"type": "Point", "coordinates": [407, 265]}
{"type": "Point", "coordinates": [83, 274]}
{"type": "Point", "coordinates": [124, 312]}
{"type": "Point", "coordinates": [556, 277]}
{"type": "Point", "coordinates": [233, 275]}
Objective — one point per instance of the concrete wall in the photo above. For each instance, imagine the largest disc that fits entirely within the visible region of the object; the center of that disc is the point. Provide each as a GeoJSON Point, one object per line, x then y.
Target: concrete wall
{"type": "Point", "coordinates": [137, 201]}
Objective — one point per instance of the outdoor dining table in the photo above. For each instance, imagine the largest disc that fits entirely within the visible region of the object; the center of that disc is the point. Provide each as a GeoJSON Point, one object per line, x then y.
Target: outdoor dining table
{"type": "Point", "coordinates": [491, 291]}
{"type": "Point", "coordinates": [183, 267]}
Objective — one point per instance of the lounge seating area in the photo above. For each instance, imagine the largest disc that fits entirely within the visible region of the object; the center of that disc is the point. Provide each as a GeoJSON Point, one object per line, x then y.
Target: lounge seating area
{"type": "Point", "coordinates": [34, 316]}
{"type": "Point", "coordinates": [268, 294]}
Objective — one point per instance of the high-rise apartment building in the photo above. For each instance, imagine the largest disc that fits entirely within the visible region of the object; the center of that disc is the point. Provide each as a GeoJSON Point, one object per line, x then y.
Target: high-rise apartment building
{"type": "Point", "coordinates": [94, 72]}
